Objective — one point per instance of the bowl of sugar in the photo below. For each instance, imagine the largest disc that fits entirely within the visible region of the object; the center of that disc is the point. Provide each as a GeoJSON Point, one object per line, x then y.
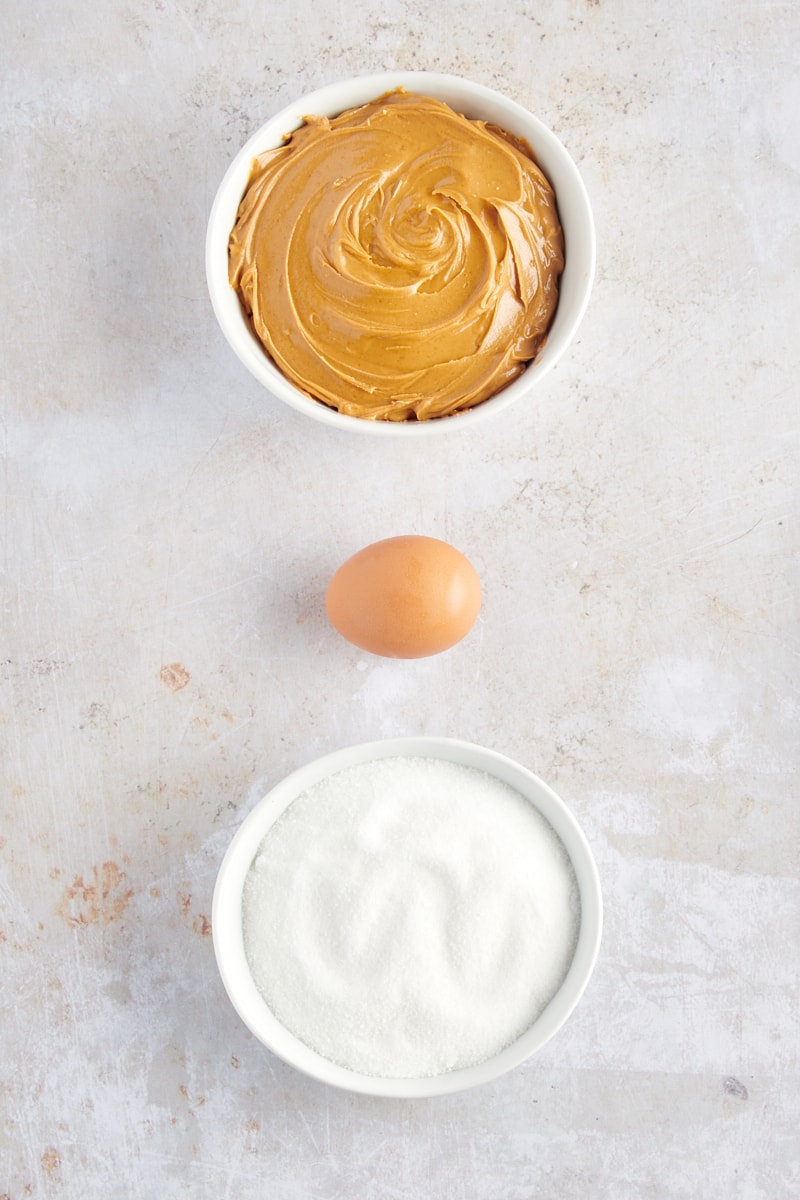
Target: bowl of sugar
{"type": "Point", "coordinates": [408, 917]}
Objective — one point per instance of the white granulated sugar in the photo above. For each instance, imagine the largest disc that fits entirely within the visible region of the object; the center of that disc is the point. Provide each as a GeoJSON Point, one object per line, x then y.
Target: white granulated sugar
{"type": "Point", "coordinates": [409, 916]}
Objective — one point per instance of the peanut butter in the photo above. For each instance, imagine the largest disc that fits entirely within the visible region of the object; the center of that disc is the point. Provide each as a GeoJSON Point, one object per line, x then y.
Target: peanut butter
{"type": "Point", "coordinates": [398, 262]}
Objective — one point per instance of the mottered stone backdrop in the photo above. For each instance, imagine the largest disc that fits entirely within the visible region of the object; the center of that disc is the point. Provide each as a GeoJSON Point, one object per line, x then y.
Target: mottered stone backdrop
{"type": "Point", "coordinates": [169, 530]}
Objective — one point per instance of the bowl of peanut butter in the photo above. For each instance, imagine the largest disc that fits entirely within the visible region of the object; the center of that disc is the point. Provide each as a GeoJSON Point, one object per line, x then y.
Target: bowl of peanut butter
{"type": "Point", "coordinates": [401, 253]}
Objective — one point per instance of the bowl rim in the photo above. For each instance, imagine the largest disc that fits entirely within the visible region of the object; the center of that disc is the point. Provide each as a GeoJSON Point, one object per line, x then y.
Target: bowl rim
{"type": "Point", "coordinates": [476, 100]}
{"type": "Point", "coordinates": [228, 942]}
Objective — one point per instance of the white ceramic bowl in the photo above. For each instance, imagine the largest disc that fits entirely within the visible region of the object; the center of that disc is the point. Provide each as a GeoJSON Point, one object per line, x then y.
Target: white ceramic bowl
{"type": "Point", "coordinates": [226, 919]}
{"type": "Point", "coordinates": [474, 101]}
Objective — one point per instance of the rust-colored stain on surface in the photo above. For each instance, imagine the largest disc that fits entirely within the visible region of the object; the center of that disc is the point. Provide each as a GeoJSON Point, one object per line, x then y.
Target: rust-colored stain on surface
{"type": "Point", "coordinates": [202, 925]}
{"type": "Point", "coordinates": [194, 1101]}
{"type": "Point", "coordinates": [175, 676]}
{"type": "Point", "coordinates": [98, 900]}
{"type": "Point", "coordinates": [51, 1161]}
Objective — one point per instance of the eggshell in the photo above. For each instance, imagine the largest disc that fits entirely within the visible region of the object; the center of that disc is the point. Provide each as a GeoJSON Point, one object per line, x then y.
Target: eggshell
{"type": "Point", "coordinates": [405, 597]}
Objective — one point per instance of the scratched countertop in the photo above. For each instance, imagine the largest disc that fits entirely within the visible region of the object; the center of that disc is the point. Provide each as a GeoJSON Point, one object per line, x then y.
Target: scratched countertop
{"type": "Point", "coordinates": [169, 529]}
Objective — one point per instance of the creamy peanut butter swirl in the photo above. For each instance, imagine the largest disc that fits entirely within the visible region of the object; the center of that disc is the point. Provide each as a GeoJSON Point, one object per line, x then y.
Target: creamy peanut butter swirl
{"type": "Point", "coordinates": [399, 261]}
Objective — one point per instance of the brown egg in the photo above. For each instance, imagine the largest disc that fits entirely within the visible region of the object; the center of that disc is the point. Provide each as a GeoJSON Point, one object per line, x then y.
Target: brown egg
{"type": "Point", "coordinates": [405, 597]}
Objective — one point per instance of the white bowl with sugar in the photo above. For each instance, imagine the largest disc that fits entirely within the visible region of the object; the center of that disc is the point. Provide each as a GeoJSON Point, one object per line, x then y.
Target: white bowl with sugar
{"type": "Point", "coordinates": [407, 917]}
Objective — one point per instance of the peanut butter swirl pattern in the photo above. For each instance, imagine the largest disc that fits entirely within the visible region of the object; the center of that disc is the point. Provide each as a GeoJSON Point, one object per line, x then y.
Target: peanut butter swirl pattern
{"type": "Point", "coordinates": [398, 262]}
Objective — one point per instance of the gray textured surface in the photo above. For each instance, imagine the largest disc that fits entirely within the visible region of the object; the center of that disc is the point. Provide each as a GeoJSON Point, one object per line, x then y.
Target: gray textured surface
{"type": "Point", "coordinates": [169, 531]}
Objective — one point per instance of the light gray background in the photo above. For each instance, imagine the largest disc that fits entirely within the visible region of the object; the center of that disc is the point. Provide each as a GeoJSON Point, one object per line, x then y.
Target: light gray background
{"type": "Point", "coordinates": [170, 529]}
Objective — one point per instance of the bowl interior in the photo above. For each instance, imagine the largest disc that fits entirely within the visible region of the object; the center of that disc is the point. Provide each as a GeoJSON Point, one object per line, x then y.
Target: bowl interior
{"type": "Point", "coordinates": [229, 941]}
{"type": "Point", "coordinates": [474, 101]}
